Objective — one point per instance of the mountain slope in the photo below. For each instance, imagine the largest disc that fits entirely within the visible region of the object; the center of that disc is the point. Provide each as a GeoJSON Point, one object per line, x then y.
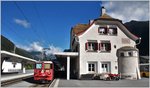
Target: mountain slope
{"type": "Point", "coordinates": [7, 45]}
{"type": "Point", "coordinates": [140, 29]}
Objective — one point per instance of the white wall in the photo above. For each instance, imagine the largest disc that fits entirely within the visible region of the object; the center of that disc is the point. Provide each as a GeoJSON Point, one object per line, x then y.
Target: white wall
{"type": "Point", "coordinates": [8, 67]}
{"type": "Point", "coordinates": [92, 34]}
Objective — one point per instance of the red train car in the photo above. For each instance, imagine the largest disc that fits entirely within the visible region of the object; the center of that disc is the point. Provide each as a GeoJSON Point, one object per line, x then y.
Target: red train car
{"type": "Point", "coordinates": [44, 71]}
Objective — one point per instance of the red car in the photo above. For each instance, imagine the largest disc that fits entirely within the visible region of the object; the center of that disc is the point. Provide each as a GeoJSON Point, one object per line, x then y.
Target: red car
{"type": "Point", "coordinates": [44, 71]}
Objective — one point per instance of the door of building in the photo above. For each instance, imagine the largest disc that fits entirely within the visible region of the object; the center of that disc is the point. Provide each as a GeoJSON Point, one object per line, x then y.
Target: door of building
{"type": "Point", "coordinates": [105, 66]}
{"type": "Point", "coordinates": [92, 67]}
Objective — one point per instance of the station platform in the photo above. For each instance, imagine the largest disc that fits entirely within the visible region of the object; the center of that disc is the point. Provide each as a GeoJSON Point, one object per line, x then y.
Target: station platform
{"type": "Point", "coordinates": [7, 77]}
{"type": "Point", "coordinates": [144, 82]}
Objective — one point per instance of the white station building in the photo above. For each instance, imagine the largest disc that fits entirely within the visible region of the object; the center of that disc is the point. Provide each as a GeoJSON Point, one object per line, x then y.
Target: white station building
{"type": "Point", "coordinates": [97, 43]}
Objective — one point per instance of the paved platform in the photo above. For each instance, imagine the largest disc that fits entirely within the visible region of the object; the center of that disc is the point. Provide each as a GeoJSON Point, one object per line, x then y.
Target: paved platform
{"type": "Point", "coordinates": [144, 82]}
{"type": "Point", "coordinates": [6, 77]}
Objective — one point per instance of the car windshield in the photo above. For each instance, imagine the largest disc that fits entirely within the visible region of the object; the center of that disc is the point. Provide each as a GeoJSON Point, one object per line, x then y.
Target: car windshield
{"type": "Point", "coordinates": [38, 66]}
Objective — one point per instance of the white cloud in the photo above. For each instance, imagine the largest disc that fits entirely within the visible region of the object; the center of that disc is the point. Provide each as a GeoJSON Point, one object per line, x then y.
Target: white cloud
{"type": "Point", "coordinates": [128, 10]}
{"type": "Point", "coordinates": [23, 23]}
{"type": "Point", "coordinates": [23, 47]}
{"type": "Point", "coordinates": [36, 46]}
{"type": "Point", "coordinates": [53, 49]}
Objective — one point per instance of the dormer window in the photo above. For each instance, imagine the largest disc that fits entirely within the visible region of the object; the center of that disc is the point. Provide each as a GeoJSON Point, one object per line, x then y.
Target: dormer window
{"type": "Point", "coordinates": [112, 30]}
{"type": "Point", "coordinates": [102, 30]}
{"type": "Point", "coordinates": [107, 30]}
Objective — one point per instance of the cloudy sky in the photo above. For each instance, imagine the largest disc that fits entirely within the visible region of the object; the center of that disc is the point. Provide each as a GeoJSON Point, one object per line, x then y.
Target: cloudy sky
{"type": "Point", "coordinates": [128, 10]}
{"type": "Point", "coordinates": [34, 25]}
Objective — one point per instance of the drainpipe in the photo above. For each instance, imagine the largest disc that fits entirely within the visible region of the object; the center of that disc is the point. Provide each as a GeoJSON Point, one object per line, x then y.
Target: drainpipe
{"type": "Point", "coordinates": [138, 68]}
{"type": "Point", "coordinates": [76, 39]}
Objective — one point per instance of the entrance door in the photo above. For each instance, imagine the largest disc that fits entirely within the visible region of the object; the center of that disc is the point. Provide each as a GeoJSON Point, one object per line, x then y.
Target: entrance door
{"type": "Point", "coordinates": [105, 67]}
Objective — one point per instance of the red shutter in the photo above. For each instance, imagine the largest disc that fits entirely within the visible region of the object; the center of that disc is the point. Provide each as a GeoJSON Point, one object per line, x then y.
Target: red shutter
{"type": "Point", "coordinates": [109, 46]}
{"type": "Point", "coordinates": [96, 46]}
{"type": "Point", "coordinates": [86, 45]}
{"type": "Point", "coordinates": [116, 31]}
{"type": "Point", "coordinates": [98, 29]}
{"type": "Point", "coordinates": [99, 46]}
{"type": "Point", "coordinates": [107, 30]}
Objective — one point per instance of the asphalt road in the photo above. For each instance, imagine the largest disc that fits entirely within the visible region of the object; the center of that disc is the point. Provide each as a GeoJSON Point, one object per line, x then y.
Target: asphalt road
{"type": "Point", "coordinates": [144, 82]}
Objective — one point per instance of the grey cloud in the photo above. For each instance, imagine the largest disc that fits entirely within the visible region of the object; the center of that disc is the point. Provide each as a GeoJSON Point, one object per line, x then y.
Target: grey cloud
{"type": "Point", "coordinates": [128, 10]}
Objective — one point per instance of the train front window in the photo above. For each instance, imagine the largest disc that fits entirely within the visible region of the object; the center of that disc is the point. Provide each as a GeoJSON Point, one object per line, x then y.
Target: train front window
{"type": "Point", "coordinates": [38, 66]}
{"type": "Point", "coordinates": [47, 66]}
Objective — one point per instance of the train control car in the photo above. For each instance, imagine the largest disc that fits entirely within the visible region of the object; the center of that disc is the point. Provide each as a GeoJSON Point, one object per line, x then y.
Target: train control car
{"type": "Point", "coordinates": [44, 71]}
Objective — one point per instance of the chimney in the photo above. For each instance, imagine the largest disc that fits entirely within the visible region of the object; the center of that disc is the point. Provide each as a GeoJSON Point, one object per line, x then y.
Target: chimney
{"type": "Point", "coordinates": [103, 10]}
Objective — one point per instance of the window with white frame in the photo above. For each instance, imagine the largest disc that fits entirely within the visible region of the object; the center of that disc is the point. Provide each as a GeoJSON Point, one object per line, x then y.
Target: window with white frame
{"type": "Point", "coordinates": [105, 46]}
{"type": "Point", "coordinates": [91, 67]}
{"type": "Point", "coordinates": [91, 46]}
{"type": "Point", "coordinates": [102, 30]}
{"type": "Point", "coordinates": [112, 30]}
{"type": "Point", "coordinates": [105, 67]}
{"type": "Point", "coordinates": [107, 30]}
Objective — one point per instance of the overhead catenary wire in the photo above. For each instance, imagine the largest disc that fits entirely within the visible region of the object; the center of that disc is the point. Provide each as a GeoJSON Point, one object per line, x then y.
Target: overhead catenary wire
{"type": "Point", "coordinates": [40, 20]}
{"type": "Point", "coordinates": [17, 34]}
{"type": "Point", "coordinates": [34, 31]}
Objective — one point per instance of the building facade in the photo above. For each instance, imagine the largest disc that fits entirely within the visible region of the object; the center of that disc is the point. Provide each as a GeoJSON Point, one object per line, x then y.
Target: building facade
{"type": "Point", "coordinates": [97, 44]}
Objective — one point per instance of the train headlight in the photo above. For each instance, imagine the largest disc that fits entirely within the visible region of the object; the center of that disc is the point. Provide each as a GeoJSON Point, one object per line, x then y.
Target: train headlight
{"type": "Point", "coordinates": [42, 71]}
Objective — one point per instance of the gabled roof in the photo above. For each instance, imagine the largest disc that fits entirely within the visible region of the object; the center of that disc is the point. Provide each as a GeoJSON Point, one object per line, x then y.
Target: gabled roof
{"type": "Point", "coordinates": [107, 17]}
{"type": "Point", "coordinates": [81, 28]}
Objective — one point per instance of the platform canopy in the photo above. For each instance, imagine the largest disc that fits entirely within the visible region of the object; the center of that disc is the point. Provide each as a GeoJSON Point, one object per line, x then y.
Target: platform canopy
{"type": "Point", "coordinates": [65, 54]}
{"type": "Point", "coordinates": [15, 57]}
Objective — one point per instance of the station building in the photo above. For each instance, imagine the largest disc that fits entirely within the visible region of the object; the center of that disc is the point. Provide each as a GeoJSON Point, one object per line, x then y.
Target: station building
{"type": "Point", "coordinates": [97, 44]}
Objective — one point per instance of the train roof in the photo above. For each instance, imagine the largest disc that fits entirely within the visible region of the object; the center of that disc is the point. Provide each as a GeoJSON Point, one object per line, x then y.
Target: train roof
{"type": "Point", "coordinates": [45, 62]}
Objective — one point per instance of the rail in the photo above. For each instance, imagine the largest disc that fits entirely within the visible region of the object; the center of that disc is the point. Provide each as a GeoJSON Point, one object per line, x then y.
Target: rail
{"type": "Point", "coordinates": [11, 80]}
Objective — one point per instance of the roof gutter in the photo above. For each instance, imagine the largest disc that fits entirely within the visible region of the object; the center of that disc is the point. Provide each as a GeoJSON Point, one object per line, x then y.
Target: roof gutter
{"type": "Point", "coordinates": [139, 41]}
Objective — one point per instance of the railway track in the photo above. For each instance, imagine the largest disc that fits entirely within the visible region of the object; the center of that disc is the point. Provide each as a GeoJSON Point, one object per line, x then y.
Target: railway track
{"type": "Point", "coordinates": [43, 84]}
{"type": "Point", "coordinates": [30, 80]}
{"type": "Point", "coordinates": [9, 82]}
